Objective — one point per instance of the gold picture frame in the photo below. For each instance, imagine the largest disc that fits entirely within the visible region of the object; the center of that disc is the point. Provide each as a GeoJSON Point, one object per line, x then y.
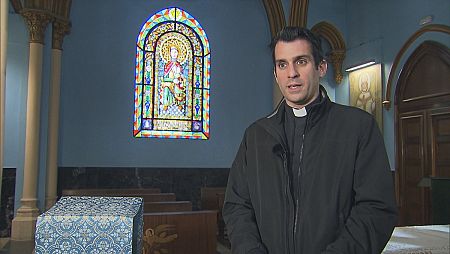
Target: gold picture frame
{"type": "Point", "coordinates": [366, 91]}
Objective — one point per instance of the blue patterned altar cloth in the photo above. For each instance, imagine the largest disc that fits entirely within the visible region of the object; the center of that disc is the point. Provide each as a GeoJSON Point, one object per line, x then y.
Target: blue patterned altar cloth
{"type": "Point", "coordinates": [90, 225]}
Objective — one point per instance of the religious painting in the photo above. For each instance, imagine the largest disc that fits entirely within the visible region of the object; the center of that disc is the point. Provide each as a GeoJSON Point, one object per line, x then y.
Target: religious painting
{"type": "Point", "coordinates": [366, 91]}
{"type": "Point", "coordinates": [172, 79]}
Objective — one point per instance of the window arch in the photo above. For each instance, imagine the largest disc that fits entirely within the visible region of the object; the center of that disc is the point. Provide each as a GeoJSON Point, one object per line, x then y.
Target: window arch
{"type": "Point", "coordinates": [171, 97]}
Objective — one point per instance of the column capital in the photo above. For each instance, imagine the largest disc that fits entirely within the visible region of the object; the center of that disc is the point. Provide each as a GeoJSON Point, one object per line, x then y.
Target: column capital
{"type": "Point", "coordinates": [37, 23]}
{"type": "Point", "coordinates": [336, 58]}
{"type": "Point", "coordinates": [60, 29]}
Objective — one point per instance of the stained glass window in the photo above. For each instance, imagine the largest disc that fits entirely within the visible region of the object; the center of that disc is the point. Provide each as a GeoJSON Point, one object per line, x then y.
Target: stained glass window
{"type": "Point", "coordinates": [171, 97]}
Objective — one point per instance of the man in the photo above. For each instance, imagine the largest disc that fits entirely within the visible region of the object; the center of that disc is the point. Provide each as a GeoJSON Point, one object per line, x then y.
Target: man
{"type": "Point", "coordinates": [312, 177]}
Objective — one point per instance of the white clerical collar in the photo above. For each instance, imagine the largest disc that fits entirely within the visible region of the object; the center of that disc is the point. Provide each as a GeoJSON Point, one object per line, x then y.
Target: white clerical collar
{"type": "Point", "coordinates": [299, 112]}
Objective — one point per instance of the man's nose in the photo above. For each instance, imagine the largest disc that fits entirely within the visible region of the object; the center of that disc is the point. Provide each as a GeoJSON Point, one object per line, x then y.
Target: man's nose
{"type": "Point", "coordinates": [292, 71]}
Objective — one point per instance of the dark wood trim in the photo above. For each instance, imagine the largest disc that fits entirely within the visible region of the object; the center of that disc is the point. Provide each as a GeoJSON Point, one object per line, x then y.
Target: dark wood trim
{"type": "Point", "coordinates": [429, 28]}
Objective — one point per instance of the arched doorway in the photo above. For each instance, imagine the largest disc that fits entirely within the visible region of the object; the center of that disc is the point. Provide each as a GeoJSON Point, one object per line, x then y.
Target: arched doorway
{"type": "Point", "coordinates": [422, 114]}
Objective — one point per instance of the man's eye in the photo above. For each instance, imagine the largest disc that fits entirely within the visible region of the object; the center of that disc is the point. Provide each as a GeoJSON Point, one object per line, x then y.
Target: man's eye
{"type": "Point", "coordinates": [282, 65]}
{"type": "Point", "coordinates": [301, 62]}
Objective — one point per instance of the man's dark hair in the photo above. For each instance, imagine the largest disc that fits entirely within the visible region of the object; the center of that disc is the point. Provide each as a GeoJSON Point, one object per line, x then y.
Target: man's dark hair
{"type": "Point", "coordinates": [292, 33]}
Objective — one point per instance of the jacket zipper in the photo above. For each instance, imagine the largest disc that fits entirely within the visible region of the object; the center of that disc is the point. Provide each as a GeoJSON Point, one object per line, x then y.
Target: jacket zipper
{"type": "Point", "coordinates": [289, 241]}
{"type": "Point", "coordinates": [297, 203]}
{"type": "Point", "coordinates": [299, 188]}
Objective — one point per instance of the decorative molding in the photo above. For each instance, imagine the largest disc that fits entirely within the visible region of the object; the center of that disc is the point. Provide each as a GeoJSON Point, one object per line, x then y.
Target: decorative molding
{"type": "Point", "coordinates": [61, 25]}
{"type": "Point", "coordinates": [38, 13]}
{"type": "Point", "coordinates": [155, 239]}
{"type": "Point", "coordinates": [337, 54]}
{"type": "Point", "coordinates": [409, 89]}
{"type": "Point", "coordinates": [37, 22]}
{"type": "Point", "coordinates": [429, 28]}
{"type": "Point", "coordinates": [60, 29]}
{"type": "Point", "coordinates": [336, 57]}
{"type": "Point", "coordinates": [61, 9]}
{"type": "Point", "coordinates": [299, 13]}
{"type": "Point", "coordinates": [275, 15]}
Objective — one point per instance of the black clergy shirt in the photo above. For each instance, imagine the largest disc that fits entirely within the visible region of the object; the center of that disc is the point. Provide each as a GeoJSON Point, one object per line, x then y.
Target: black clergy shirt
{"type": "Point", "coordinates": [294, 128]}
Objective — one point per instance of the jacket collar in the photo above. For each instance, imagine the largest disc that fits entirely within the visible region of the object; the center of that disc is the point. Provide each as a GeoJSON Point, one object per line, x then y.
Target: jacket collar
{"type": "Point", "coordinates": [315, 111]}
{"type": "Point", "coordinates": [274, 123]}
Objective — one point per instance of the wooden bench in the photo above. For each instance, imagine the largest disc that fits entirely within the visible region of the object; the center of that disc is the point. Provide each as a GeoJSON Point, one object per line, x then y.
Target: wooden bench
{"type": "Point", "coordinates": [212, 198]}
{"type": "Point", "coordinates": [153, 197]}
{"type": "Point", "coordinates": [220, 221]}
{"type": "Point", "coordinates": [103, 192]}
{"type": "Point", "coordinates": [195, 231]}
{"type": "Point", "coordinates": [158, 197]}
{"type": "Point", "coordinates": [209, 197]}
{"type": "Point", "coordinates": [167, 206]}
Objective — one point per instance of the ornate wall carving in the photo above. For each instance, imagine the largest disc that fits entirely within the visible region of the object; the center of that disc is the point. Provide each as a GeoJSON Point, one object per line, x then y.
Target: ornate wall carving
{"type": "Point", "coordinates": [337, 54]}
{"type": "Point", "coordinates": [60, 29]}
{"type": "Point", "coordinates": [37, 23]}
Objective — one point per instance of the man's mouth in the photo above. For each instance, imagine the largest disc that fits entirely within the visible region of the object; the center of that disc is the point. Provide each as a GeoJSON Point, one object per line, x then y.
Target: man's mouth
{"type": "Point", "coordinates": [294, 86]}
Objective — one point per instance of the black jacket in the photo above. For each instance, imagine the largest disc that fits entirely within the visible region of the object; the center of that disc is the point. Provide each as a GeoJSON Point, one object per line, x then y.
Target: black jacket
{"type": "Point", "coordinates": [346, 198]}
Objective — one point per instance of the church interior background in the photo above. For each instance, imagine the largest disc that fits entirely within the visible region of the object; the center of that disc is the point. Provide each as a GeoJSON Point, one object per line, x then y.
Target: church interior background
{"type": "Point", "coordinates": [157, 94]}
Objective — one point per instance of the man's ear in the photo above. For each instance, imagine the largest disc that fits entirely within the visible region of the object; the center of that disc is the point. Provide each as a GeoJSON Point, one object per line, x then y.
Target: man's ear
{"type": "Point", "coordinates": [323, 66]}
{"type": "Point", "coordinates": [275, 75]}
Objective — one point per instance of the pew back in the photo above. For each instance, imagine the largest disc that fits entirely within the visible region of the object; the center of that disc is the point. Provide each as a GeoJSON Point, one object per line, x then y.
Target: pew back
{"type": "Point", "coordinates": [196, 230]}
{"type": "Point", "coordinates": [167, 206]}
{"type": "Point", "coordinates": [104, 192]}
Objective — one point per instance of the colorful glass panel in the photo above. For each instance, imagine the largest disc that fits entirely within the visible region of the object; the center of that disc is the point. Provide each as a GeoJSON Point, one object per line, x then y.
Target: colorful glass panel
{"type": "Point", "coordinates": [139, 59]}
{"type": "Point", "coordinates": [172, 77]}
{"type": "Point", "coordinates": [137, 109]}
{"type": "Point", "coordinates": [148, 73]}
{"type": "Point", "coordinates": [206, 71]}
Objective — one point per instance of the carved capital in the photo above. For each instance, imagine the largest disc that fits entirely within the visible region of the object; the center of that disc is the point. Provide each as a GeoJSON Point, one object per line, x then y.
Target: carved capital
{"type": "Point", "coordinates": [60, 29]}
{"type": "Point", "coordinates": [336, 57]}
{"type": "Point", "coordinates": [337, 54]}
{"type": "Point", "coordinates": [37, 23]}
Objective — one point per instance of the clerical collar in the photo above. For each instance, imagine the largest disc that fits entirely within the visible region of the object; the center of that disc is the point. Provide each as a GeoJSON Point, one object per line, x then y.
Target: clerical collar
{"type": "Point", "coordinates": [299, 112]}
{"type": "Point", "coordinates": [302, 112]}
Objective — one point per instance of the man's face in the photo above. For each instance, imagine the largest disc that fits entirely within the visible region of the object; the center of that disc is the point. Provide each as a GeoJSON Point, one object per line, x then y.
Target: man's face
{"type": "Point", "coordinates": [296, 73]}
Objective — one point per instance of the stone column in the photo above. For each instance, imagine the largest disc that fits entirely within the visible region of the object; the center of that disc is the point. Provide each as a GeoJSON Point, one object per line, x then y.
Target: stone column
{"type": "Point", "coordinates": [24, 223]}
{"type": "Point", "coordinates": [60, 29]}
{"type": "Point", "coordinates": [3, 46]}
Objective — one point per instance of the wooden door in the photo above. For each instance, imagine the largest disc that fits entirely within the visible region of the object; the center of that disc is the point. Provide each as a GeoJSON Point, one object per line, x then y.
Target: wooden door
{"type": "Point", "coordinates": [412, 168]}
{"type": "Point", "coordinates": [440, 140]}
{"type": "Point", "coordinates": [422, 117]}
